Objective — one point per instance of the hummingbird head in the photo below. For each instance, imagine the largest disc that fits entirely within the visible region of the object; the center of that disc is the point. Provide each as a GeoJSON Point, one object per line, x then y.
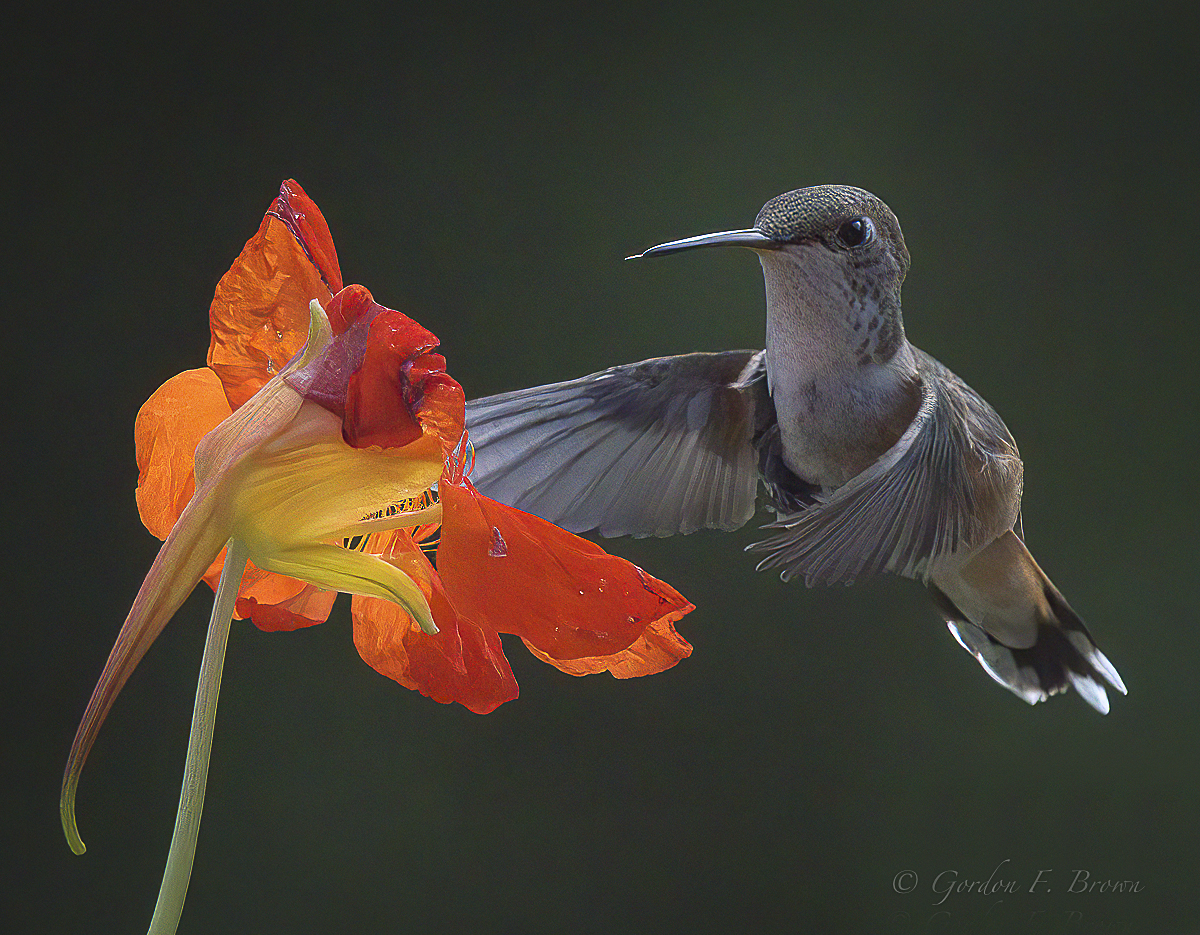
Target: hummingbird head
{"type": "Point", "coordinates": [832, 256]}
{"type": "Point", "coordinates": [845, 221]}
{"type": "Point", "coordinates": [850, 225]}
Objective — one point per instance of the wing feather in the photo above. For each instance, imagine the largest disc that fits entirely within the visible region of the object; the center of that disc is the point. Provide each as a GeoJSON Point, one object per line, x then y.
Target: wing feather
{"type": "Point", "coordinates": [949, 485]}
{"type": "Point", "coordinates": [659, 447]}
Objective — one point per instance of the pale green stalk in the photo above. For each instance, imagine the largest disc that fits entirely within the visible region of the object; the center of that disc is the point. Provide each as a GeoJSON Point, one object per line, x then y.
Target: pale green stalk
{"type": "Point", "coordinates": [195, 771]}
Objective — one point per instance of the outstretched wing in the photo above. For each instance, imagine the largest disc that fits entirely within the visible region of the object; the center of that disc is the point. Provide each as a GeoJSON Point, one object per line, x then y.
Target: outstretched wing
{"type": "Point", "coordinates": [654, 448]}
{"type": "Point", "coordinates": [950, 485]}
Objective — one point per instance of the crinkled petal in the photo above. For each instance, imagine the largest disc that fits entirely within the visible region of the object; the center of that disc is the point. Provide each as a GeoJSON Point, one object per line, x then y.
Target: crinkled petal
{"type": "Point", "coordinates": [259, 315]}
{"type": "Point", "coordinates": [379, 399]}
{"type": "Point", "coordinates": [442, 408]}
{"type": "Point", "coordinates": [656, 650]}
{"type": "Point", "coordinates": [460, 663]}
{"type": "Point", "coordinates": [355, 304]}
{"type": "Point", "coordinates": [515, 573]}
{"type": "Point", "coordinates": [379, 376]}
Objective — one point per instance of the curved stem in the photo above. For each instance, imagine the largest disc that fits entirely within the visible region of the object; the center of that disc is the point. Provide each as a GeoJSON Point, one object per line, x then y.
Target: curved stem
{"type": "Point", "coordinates": [195, 771]}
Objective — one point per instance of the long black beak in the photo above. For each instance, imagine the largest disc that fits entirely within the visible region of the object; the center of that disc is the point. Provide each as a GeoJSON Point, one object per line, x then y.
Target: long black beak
{"type": "Point", "coordinates": [752, 238]}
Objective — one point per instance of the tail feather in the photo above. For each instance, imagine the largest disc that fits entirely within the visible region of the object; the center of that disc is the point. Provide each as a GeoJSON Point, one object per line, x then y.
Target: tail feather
{"type": "Point", "coordinates": [1062, 655]}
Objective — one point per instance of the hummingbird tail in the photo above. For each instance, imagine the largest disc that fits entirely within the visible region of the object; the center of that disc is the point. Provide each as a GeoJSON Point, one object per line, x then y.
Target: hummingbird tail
{"type": "Point", "coordinates": [1007, 614]}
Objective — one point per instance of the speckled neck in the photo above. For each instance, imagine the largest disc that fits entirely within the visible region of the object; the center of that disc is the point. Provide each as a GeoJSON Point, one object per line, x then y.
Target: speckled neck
{"type": "Point", "coordinates": [841, 369]}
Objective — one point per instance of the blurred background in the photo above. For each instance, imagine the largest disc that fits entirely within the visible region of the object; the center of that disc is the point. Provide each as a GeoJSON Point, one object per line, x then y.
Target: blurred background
{"type": "Point", "coordinates": [827, 761]}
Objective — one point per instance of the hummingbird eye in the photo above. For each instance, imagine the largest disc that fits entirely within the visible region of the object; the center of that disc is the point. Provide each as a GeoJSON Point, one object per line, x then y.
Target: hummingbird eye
{"type": "Point", "coordinates": [856, 232]}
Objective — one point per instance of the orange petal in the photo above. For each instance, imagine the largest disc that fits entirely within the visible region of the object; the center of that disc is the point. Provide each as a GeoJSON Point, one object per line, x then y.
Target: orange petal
{"type": "Point", "coordinates": [168, 427]}
{"type": "Point", "coordinates": [443, 408]}
{"type": "Point", "coordinates": [273, 601]}
{"type": "Point", "coordinates": [259, 314]}
{"type": "Point", "coordinates": [656, 650]}
{"type": "Point", "coordinates": [308, 607]}
{"type": "Point", "coordinates": [515, 573]}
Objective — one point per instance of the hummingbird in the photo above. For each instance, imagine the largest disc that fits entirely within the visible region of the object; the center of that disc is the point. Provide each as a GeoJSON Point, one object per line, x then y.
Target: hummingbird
{"type": "Point", "coordinates": [873, 456]}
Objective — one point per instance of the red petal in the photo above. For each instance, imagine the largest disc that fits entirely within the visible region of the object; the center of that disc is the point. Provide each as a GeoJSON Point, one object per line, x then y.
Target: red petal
{"type": "Point", "coordinates": [461, 663]}
{"type": "Point", "coordinates": [515, 573]}
{"type": "Point", "coordinates": [349, 305]}
{"type": "Point", "coordinates": [442, 409]}
{"type": "Point", "coordinates": [306, 222]}
{"type": "Point", "coordinates": [656, 650]}
{"type": "Point", "coordinates": [399, 388]}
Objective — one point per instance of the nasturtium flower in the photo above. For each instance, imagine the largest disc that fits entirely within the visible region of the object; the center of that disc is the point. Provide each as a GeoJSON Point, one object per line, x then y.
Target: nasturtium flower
{"type": "Point", "coordinates": [323, 449]}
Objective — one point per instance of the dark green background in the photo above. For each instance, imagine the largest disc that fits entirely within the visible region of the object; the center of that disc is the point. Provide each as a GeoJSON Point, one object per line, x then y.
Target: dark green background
{"type": "Point", "coordinates": [486, 171]}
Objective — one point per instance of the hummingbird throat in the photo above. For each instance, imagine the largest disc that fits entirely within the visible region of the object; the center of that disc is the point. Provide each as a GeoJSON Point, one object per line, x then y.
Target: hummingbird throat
{"type": "Point", "coordinates": [842, 372]}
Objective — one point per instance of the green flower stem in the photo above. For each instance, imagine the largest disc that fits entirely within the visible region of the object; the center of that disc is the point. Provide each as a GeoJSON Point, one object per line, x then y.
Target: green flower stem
{"type": "Point", "coordinates": [195, 771]}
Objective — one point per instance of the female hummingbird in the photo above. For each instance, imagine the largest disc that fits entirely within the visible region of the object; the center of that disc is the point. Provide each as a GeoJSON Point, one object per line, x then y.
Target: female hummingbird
{"type": "Point", "coordinates": [873, 455]}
